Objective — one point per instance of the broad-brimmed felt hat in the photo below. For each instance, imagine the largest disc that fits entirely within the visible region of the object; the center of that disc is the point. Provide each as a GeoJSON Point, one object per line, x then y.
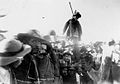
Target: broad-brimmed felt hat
{"type": "Point", "coordinates": [12, 50]}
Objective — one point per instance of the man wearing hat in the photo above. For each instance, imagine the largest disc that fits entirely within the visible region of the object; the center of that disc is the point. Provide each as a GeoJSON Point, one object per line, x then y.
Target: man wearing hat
{"type": "Point", "coordinates": [11, 53]}
{"type": "Point", "coordinates": [40, 65]}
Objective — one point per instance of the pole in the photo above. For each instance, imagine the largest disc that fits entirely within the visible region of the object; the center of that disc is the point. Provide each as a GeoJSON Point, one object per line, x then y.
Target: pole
{"type": "Point", "coordinates": [71, 7]}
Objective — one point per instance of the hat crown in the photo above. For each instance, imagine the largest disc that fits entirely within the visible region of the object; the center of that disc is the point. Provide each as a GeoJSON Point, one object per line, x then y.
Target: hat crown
{"type": "Point", "coordinates": [10, 45]}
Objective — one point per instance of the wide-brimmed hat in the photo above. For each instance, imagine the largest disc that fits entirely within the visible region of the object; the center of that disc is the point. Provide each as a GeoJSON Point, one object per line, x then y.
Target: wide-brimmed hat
{"type": "Point", "coordinates": [12, 50]}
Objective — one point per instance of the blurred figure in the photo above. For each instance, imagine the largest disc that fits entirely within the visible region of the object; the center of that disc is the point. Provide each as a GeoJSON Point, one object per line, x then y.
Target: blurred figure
{"type": "Point", "coordinates": [40, 65]}
{"type": "Point", "coordinates": [11, 53]}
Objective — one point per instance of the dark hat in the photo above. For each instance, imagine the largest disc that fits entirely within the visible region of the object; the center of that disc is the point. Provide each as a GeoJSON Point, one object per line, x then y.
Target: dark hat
{"type": "Point", "coordinates": [77, 14]}
{"type": "Point", "coordinates": [112, 42]}
{"type": "Point", "coordinates": [12, 50]}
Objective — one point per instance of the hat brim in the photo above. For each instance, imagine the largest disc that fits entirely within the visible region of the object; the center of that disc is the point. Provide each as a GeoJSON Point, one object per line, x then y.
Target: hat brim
{"type": "Point", "coordinates": [8, 60]}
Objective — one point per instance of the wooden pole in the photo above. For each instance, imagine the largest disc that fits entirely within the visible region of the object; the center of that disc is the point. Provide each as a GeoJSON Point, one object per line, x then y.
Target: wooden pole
{"type": "Point", "coordinates": [71, 7]}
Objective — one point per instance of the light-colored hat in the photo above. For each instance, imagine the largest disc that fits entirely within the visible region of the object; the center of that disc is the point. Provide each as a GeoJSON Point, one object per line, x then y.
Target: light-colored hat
{"type": "Point", "coordinates": [12, 50]}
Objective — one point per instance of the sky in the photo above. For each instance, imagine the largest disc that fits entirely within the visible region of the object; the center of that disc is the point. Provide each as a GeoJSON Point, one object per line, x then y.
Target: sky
{"type": "Point", "coordinates": [100, 18]}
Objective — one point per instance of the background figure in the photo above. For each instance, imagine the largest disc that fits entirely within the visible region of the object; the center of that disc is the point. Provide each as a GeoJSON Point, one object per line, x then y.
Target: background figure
{"type": "Point", "coordinates": [104, 74]}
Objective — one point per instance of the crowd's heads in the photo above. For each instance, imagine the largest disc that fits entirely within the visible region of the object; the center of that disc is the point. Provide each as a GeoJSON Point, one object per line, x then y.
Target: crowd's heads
{"type": "Point", "coordinates": [83, 48]}
{"type": "Point", "coordinates": [52, 32]}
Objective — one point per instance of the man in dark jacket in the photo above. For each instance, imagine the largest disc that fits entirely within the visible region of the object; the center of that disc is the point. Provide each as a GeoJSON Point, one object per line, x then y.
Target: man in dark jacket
{"type": "Point", "coordinates": [11, 53]}
{"type": "Point", "coordinates": [44, 63]}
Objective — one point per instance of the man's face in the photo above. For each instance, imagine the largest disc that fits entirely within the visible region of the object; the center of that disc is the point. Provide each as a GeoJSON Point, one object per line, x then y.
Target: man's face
{"type": "Point", "coordinates": [43, 48]}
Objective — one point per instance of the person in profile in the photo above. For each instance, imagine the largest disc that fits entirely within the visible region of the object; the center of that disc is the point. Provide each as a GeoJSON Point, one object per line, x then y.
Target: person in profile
{"type": "Point", "coordinates": [11, 54]}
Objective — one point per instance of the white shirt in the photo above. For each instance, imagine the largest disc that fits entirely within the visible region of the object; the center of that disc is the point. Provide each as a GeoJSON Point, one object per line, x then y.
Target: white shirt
{"type": "Point", "coordinates": [4, 76]}
{"type": "Point", "coordinates": [107, 51]}
{"type": "Point", "coordinates": [116, 54]}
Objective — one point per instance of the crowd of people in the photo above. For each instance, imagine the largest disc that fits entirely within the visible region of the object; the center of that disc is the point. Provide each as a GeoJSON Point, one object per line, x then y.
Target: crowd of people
{"type": "Point", "coordinates": [28, 58]}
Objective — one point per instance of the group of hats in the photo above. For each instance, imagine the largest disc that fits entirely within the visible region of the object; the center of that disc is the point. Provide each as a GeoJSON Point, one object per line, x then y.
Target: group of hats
{"type": "Point", "coordinates": [12, 50]}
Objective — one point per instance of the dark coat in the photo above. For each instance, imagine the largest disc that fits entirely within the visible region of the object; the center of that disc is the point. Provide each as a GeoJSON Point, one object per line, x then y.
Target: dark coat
{"type": "Point", "coordinates": [47, 66]}
{"type": "Point", "coordinates": [73, 27]}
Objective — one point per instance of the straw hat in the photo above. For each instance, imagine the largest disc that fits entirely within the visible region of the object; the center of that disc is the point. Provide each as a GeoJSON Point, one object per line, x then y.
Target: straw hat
{"type": "Point", "coordinates": [12, 50]}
